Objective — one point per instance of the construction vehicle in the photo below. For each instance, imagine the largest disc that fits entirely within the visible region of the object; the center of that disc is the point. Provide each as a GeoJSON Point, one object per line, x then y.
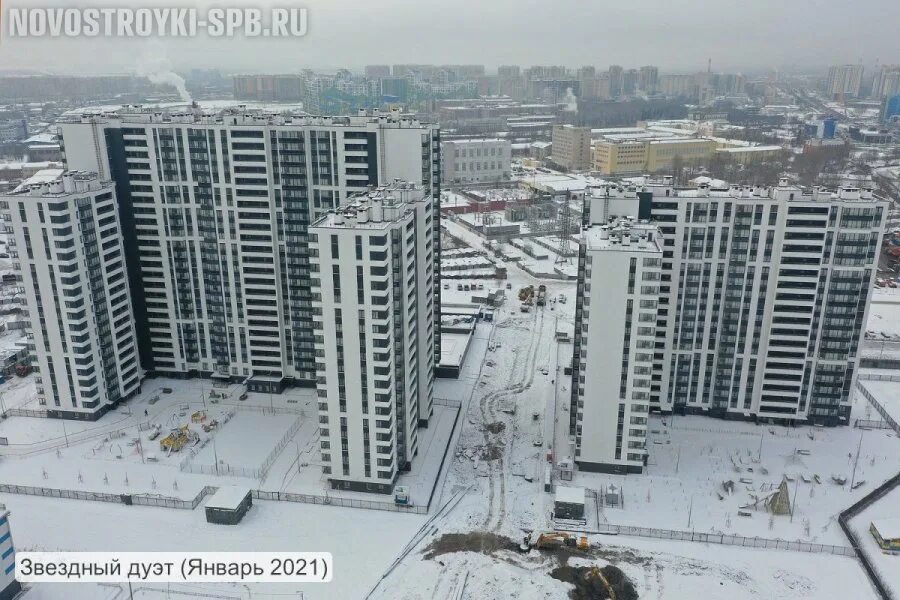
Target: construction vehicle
{"type": "Point", "coordinates": [596, 573]}
{"type": "Point", "coordinates": [526, 293]}
{"type": "Point", "coordinates": [542, 295]}
{"type": "Point", "coordinates": [553, 539]}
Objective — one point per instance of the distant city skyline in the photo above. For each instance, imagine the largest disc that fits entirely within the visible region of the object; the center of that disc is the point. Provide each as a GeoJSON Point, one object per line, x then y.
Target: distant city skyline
{"type": "Point", "coordinates": [677, 37]}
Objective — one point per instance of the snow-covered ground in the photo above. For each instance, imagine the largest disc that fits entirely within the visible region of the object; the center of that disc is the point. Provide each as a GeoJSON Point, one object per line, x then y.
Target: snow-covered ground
{"type": "Point", "coordinates": [887, 565]}
{"type": "Point", "coordinates": [513, 394]}
{"type": "Point", "coordinates": [692, 457]}
{"type": "Point", "coordinates": [362, 542]}
{"type": "Point", "coordinates": [659, 570]}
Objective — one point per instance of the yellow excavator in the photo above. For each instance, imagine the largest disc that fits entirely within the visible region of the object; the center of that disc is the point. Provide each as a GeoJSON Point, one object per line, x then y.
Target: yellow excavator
{"type": "Point", "coordinates": [553, 539]}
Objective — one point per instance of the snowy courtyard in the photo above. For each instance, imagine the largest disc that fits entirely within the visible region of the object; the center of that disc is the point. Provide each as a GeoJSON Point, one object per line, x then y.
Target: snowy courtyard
{"type": "Point", "coordinates": [693, 459]}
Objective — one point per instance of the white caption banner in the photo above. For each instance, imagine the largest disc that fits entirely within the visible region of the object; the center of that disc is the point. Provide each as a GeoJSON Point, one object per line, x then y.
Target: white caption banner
{"type": "Point", "coordinates": [166, 567]}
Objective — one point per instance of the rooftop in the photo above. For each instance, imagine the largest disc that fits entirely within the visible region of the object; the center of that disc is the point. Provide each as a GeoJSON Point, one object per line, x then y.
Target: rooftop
{"type": "Point", "coordinates": [56, 183]}
{"type": "Point", "coordinates": [42, 176]}
{"type": "Point", "coordinates": [623, 235]}
{"type": "Point", "coordinates": [783, 190]}
{"type": "Point", "coordinates": [375, 209]}
{"type": "Point", "coordinates": [228, 497]}
{"type": "Point", "coordinates": [888, 529]}
{"type": "Point", "coordinates": [570, 495]}
{"type": "Point", "coordinates": [742, 149]}
{"type": "Point", "coordinates": [238, 114]}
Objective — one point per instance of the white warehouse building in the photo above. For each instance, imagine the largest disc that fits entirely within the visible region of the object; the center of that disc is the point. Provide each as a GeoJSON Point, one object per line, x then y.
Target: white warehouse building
{"type": "Point", "coordinates": [68, 248]}
{"type": "Point", "coordinates": [373, 306]}
{"type": "Point", "coordinates": [476, 161]}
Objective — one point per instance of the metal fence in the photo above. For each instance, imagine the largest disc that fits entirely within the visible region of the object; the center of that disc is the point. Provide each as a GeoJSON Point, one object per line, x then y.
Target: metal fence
{"type": "Point", "coordinates": [29, 490]}
{"type": "Point", "coordinates": [127, 499]}
{"type": "Point", "coordinates": [273, 455]}
{"type": "Point", "coordinates": [269, 410]}
{"type": "Point", "coordinates": [870, 424]}
{"type": "Point", "coordinates": [25, 412]}
{"type": "Point", "coordinates": [860, 385]}
{"type": "Point", "coordinates": [450, 403]}
{"type": "Point", "coordinates": [718, 538]}
{"type": "Point", "coordinates": [338, 501]}
{"type": "Point", "coordinates": [844, 518]}
{"type": "Point", "coordinates": [223, 469]}
{"type": "Point", "coordinates": [167, 502]}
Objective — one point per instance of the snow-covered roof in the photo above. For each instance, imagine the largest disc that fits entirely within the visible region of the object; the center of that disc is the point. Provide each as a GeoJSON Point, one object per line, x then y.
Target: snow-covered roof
{"type": "Point", "coordinates": [740, 150]}
{"type": "Point", "coordinates": [884, 314]}
{"type": "Point", "coordinates": [42, 138]}
{"type": "Point", "coordinates": [42, 176]}
{"type": "Point", "coordinates": [570, 495]}
{"type": "Point", "coordinates": [888, 529]}
{"type": "Point", "coordinates": [228, 497]}
{"type": "Point", "coordinates": [453, 348]}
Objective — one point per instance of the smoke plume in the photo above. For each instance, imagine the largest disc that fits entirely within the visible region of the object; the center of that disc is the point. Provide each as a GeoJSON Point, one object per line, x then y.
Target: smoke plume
{"type": "Point", "coordinates": [154, 64]}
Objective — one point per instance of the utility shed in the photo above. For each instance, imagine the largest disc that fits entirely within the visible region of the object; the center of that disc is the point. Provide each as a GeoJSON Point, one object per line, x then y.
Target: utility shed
{"type": "Point", "coordinates": [887, 533]}
{"type": "Point", "coordinates": [569, 503]}
{"type": "Point", "coordinates": [228, 505]}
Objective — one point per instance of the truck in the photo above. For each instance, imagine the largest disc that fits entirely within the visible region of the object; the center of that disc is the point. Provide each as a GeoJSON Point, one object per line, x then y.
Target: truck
{"type": "Point", "coordinates": [542, 295]}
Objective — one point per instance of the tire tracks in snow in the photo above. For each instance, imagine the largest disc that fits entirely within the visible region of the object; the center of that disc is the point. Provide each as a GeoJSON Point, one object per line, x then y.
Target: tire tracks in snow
{"type": "Point", "coordinates": [490, 404]}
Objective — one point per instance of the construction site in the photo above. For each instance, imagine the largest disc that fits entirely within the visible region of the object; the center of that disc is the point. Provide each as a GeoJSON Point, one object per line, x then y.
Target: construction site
{"type": "Point", "coordinates": [548, 253]}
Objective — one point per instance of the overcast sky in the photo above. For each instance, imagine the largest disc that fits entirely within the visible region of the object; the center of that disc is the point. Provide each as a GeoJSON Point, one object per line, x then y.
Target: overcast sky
{"type": "Point", "coordinates": [678, 35]}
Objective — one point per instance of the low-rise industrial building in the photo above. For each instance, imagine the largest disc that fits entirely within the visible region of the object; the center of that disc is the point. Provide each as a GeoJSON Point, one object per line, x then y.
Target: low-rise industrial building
{"type": "Point", "coordinates": [887, 534]}
{"type": "Point", "coordinates": [476, 161]}
{"type": "Point", "coordinates": [228, 505]}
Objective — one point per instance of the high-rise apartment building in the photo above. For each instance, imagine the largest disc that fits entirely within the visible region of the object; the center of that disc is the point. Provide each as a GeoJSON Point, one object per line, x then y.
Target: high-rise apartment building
{"type": "Point", "coordinates": [265, 88]}
{"type": "Point", "coordinates": [887, 82]}
{"type": "Point", "coordinates": [510, 81]}
{"type": "Point", "coordinates": [844, 80]}
{"type": "Point", "coordinates": [9, 587]}
{"type": "Point", "coordinates": [67, 246]}
{"type": "Point", "coordinates": [764, 296]}
{"type": "Point", "coordinates": [620, 267]}
{"type": "Point", "coordinates": [649, 79]}
{"type": "Point", "coordinates": [616, 80]}
{"type": "Point", "coordinates": [684, 86]}
{"type": "Point", "coordinates": [631, 79]}
{"type": "Point", "coordinates": [587, 81]}
{"type": "Point", "coordinates": [377, 71]}
{"type": "Point", "coordinates": [372, 283]}
{"type": "Point", "coordinates": [215, 209]}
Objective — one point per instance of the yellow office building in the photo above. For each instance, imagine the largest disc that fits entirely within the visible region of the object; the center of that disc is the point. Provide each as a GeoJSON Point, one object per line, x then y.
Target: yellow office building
{"type": "Point", "coordinates": [648, 155]}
